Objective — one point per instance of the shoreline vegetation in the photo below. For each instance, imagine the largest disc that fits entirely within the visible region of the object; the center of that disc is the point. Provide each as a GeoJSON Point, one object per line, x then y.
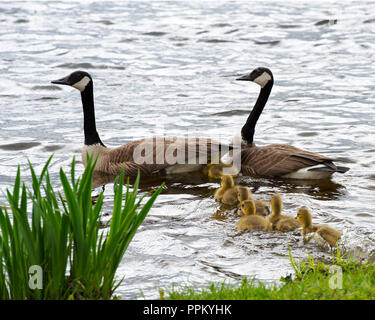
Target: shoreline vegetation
{"type": "Point", "coordinates": [342, 278]}
{"type": "Point", "coordinates": [52, 245]}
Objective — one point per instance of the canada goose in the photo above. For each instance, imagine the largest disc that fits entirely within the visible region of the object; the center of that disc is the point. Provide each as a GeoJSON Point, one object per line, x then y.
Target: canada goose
{"type": "Point", "coordinates": [279, 221]}
{"type": "Point", "coordinates": [152, 156]}
{"type": "Point", "coordinates": [277, 160]}
{"type": "Point", "coordinates": [251, 221]}
{"type": "Point", "coordinates": [328, 234]}
{"type": "Point", "coordinates": [227, 193]}
{"type": "Point", "coordinates": [243, 194]}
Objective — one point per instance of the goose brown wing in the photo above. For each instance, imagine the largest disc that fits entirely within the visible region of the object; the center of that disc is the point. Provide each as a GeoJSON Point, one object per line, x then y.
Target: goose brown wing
{"type": "Point", "coordinates": [151, 156]}
{"type": "Point", "coordinates": [277, 160]}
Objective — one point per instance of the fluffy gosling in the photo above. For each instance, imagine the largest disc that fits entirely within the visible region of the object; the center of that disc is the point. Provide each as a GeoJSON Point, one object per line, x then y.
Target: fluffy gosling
{"type": "Point", "coordinates": [227, 193]}
{"type": "Point", "coordinates": [279, 221]}
{"type": "Point", "coordinates": [215, 171]}
{"type": "Point", "coordinates": [243, 194]}
{"type": "Point", "coordinates": [251, 221]}
{"type": "Point", "coordinates": [328, 234]}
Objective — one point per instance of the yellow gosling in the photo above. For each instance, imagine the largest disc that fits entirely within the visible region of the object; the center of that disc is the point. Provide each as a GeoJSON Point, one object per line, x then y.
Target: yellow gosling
{"type": "Point", "coordinates": [328, 234]}
{"type": "Point", "coordinates": [243, 194]}
{"type": "Point", "coordinates": [279, 221]}
{"type": "Point", "coordinates": [227, 193]}
{"type": "Point", "coordinates": [215, 171]}
{"type": "Point", "coordinates": [251, 221]}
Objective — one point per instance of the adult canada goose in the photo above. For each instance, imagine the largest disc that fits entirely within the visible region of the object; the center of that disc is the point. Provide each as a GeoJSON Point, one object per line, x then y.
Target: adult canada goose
{"type": "Point", "coordinates": [153, 156]}
{"type": "Point", "coordinates": [277, 160]}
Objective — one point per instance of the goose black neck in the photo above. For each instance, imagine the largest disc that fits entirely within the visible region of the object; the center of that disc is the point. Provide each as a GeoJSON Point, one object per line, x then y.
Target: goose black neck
{"type": "Point", "coordinates": [89, 125]}
{"type": "Point", "coordinates": [248, 130]}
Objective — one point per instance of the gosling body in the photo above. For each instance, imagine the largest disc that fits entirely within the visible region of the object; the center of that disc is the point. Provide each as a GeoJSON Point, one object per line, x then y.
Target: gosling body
{"type": "Point", "coordinates": [279, 221]}
{"type": "Point", "coordinates": [251, 221]}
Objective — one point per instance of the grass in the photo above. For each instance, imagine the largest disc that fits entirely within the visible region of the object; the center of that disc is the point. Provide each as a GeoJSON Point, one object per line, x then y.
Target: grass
{"type": "Point", "coordinates": [59, 233]}
{"type": "Point", "coordinates": [340, 279]}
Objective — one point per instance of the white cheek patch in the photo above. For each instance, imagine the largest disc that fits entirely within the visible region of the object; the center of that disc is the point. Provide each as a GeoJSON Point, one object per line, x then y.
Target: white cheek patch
{"type": "Point", "coordinates": [263, 79]}
{"type": "Point", "coordinates": [81, 84]}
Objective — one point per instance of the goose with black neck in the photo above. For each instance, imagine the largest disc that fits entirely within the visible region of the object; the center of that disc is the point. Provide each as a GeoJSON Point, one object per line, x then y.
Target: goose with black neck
{"type": "Point", "coordinates": [278, 160]}
{"type": "Point", "coordinates": [162, 151]}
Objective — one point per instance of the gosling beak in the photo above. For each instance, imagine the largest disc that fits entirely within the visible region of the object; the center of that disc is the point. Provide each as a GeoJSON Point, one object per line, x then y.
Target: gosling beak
{"type": "Point", "coordinates": [246, 77]}
{"type": "Point", "coordinates": [64, 81]}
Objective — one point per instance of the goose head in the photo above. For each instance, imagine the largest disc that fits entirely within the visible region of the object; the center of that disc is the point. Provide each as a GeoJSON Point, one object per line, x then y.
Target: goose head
{"type": "Point", "coordinates": [260, 75]}
{"type": "Point", "coordinates": [78, 79]}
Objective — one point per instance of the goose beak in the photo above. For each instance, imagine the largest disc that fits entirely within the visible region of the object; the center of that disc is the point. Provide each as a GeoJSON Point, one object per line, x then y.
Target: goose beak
{"type": "Point", "coordinates": [62, 81]}
{"type": "Point", "coordinates": [246, 77]}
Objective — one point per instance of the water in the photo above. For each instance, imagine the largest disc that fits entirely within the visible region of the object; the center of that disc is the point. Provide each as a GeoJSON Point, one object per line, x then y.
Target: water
{"type": "Point", "coordinates": [168, 68]}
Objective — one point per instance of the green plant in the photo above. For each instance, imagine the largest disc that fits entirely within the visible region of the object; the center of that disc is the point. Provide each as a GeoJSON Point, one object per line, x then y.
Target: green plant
{"type": "Point", "coordinates": [63, 236]}
{"type": "Point", "coordinates": [311, 281]}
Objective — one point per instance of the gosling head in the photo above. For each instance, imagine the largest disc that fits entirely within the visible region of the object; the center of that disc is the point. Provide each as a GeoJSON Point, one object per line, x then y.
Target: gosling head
{"type": "Point", "coordinates": [227, 181]}
{"type": "Point", "coordinates": [304, 217]}
{"type": "Point", "coordinates": [243, 193]}
{"type": "Point", "coordinates": [260, 75]}
{"type": "Point", "coordinates": [248, 207]}
{"type": "Point", "coordinates": [78, 79]}
{"type": "Point", "coordinates": [276, 204]}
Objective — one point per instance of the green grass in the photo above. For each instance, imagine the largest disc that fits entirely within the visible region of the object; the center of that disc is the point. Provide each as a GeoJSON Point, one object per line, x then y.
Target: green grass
{"type": "Point", "coordinates": [60, 232]}
{"type": "Point", "coordinates": [312, 280]}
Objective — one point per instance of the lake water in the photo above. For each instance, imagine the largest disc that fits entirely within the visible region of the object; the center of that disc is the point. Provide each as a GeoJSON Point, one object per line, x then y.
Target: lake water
{"type": "Point", "coordinates": [169, 68]}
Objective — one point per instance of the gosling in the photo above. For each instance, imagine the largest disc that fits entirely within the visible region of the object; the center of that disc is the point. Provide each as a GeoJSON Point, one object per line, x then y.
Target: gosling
{"type": "Point", "coordinates": [328, 234]}
{"type": "Point", "coordinates": [243, 194]}
{"type": "Point", "coordinates": [279, 221]}
{"type": "Point", "coordinates": [251, 221]}
{"type": "Point", "coordinates": [227, 193]}
{"type": "Point", "coordinates": [215, 171]}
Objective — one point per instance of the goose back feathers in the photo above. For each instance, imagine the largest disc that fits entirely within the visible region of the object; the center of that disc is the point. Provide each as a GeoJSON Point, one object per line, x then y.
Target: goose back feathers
{"type": "Point", "coordinates": [155, 156]}
{"type": "Point", "coordinates": [277, 160]}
